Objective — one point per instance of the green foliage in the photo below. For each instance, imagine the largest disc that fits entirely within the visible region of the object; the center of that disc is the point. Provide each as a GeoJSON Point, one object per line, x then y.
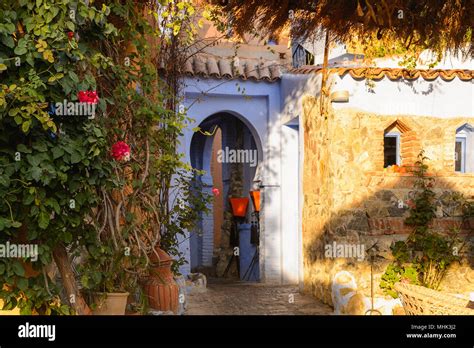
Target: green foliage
{"type": "Point", "coordinates": [145, 113]}
{"type": "Point", "coordinates": [468, 207]}
{"type": "Point", "coordinates": [423, 209]}
{"type": "Point", "coordinates": [50, 168]}
{"type": "Point", "coordinates": [56, 178]}
{"type": "Point", "coordinates": [398, 273]}
{"type": "Point", "coordinates": [424, 257]}
{"type": "Point", "coordinates": [103, 271]}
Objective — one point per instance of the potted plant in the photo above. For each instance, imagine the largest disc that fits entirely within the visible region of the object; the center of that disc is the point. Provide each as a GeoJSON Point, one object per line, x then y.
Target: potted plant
{"type": "Point", "coordinates": [105, 281]}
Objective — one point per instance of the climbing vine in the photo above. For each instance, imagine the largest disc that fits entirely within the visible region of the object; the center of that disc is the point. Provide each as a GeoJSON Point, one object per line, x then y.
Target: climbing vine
{"type": "Point", "coordinates": [61, 189]}
{"type": "Point", "coordinates": [425, 256]}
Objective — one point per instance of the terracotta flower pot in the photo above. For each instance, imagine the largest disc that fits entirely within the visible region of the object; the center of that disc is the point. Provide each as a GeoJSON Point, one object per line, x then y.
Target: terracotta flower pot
{"type": "Point", "coordinates": [160, 288]}
{"type": "Point", "coordinates": [110, 303]}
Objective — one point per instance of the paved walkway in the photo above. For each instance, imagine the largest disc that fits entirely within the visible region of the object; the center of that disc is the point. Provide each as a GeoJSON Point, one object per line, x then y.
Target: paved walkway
{"type": "Point", "coordinates": [253, 299]}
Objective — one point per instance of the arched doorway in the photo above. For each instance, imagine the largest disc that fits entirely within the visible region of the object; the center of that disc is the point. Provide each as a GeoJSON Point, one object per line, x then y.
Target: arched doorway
{"type": "Point", "coordinates": [226, 150]}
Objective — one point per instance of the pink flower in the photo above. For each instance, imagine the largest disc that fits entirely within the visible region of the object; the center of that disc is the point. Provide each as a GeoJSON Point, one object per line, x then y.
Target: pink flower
{"type": "Point", "coordinates": [88, 97]}
{"type": "Point", "coordinates": [215, 191]}
{"type": "Point", "coordinates": [121, 151]}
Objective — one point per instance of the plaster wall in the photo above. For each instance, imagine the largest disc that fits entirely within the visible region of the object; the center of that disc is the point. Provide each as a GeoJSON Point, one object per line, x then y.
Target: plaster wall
{"type": "Point", "coordinates": [258, 105]}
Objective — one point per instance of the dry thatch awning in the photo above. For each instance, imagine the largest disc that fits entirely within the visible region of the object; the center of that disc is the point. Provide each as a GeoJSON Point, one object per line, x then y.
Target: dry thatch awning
{"type": "Point", "coordinates": [437, 24]}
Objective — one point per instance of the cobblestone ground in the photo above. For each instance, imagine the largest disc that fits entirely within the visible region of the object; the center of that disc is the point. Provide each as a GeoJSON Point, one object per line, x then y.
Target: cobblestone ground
{"type": "Point", "coordinates": [253, 299]}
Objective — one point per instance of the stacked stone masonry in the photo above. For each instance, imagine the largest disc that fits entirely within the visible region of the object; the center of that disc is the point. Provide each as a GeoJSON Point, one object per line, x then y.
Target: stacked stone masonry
{"type": "Point", "coordinates": [349, 198]}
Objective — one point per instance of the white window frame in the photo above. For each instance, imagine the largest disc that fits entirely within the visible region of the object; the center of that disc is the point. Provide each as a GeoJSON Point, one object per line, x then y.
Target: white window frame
{"type": "Point", "coordinates": [461, 138]}
{"type": "Point", "coordinates": [397, 136]}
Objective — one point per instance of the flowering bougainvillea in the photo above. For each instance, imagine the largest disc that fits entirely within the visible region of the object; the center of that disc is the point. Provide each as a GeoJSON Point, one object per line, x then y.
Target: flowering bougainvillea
{"type": "Point", "coordinates": [121, 151]}
{"type": "Point", "coordinates": [88, 97]}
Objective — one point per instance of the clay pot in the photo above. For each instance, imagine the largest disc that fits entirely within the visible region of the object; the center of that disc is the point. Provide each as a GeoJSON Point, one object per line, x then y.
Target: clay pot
{"type": "Point", "coordinates": [110, 303]}
{"type": "Point", "coordinates": [160, 288]}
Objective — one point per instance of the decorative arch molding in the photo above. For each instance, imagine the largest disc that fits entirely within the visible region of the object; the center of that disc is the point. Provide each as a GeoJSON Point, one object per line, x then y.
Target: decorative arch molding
{"type": "Point", "coordinates": [410, 145]}
{"type": "Point", "coordinates": [465, 127]}
{"type": "Point", "coordinates": [207, 125]}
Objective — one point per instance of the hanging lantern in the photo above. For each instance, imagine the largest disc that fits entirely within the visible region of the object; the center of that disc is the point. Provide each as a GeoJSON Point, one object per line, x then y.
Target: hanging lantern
{"type": "Point", "coordinates": [239, 206]}
{"type": "Point", "coordinates": [255, 200]}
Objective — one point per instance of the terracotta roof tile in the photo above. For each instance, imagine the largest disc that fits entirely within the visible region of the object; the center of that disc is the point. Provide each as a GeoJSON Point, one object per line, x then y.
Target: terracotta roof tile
{"type": "Point", "coordinates": [209, 66]}
{"type": "Point", "coordinates": [392, 73]}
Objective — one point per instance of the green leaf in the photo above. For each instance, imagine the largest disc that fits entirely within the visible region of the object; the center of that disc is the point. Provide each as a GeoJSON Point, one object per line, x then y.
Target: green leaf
{"type": "Point", "coordinates": [27, 200]}
{"type": "Point", "coordinates": [57, 152]}
{"type": "Point", "coordinates": [18, 268]}
{"type": "Point", "coordinates": [3, 67]}
{"type": "Point", "coordinates": [76, 157]}
{"type": "Point", "coordinates": [43, 220]}
{"type": "Point", "coordinates": [51, 202]}
{"type": "Point", "coordinates": [8, 41]}
{"type": "Point", "coordinates": [67, 237]}
{"type": "Point", "coordinates": [25, 127]}
{"type": "Point", "coordinates": [22, 283]}
{"type": "Point", "coordinates": [23, 148]}
{"type": "Point", "coordinates": [70, 25]}
{"type": "Point", "coordinates": [19, 51]}
{"type": "Point", "coordinates": [4, 180]}
{"type": "Point", "coordinates": [73, 76]}
{"type": "Point", "coordinates": [56, 77]}
{"type": "Point", "coordinates": [36, 173]}
{"type": "Point", "coordinates": [40, 147]}
{"type": "Point", "coordinates": [2, 268]}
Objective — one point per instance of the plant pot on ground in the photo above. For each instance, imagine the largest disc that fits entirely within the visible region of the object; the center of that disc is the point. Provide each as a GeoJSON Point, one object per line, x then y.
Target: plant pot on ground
{"type": "Point", "coordinates": [160, 288]}
{"type": "Point", "coordinates": [105, 281]}
{"type": "Point", "coordinates": [109, 303]}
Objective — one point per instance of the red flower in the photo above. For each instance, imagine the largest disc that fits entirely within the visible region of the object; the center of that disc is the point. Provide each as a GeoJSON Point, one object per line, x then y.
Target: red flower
{"type": "Point", "coordinates": [121, 151]}
{"type": "Point", "coordinates": [88, 97]}
{"type": "Point", "coordinates": [70, 35]}
{"type": "Point", "coordinates": [215, 191]}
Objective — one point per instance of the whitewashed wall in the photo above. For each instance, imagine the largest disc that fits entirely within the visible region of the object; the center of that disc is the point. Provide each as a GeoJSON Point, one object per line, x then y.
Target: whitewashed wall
{"type": "Point", "coordinates": [438, 98]}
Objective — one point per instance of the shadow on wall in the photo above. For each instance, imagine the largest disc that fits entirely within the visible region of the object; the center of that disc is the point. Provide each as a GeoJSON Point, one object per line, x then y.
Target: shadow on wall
{"type": "Point", "coordinates": [345, 184]}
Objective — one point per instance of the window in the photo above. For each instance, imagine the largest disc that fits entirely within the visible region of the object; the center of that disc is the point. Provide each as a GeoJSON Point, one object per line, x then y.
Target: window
{"type": "Point", "coordinates": [391, 148]}
{"type": "Point", "coordinates": [463, 154]}
{"type": "Point", "coordinates": [460, 155]}
{"type": "Point", "coordinates": [302, 56]}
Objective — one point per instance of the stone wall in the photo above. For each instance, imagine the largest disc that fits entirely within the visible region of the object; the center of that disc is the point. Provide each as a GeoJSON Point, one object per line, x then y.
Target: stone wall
{"type": "Point", "coordinates": [350, 199]}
